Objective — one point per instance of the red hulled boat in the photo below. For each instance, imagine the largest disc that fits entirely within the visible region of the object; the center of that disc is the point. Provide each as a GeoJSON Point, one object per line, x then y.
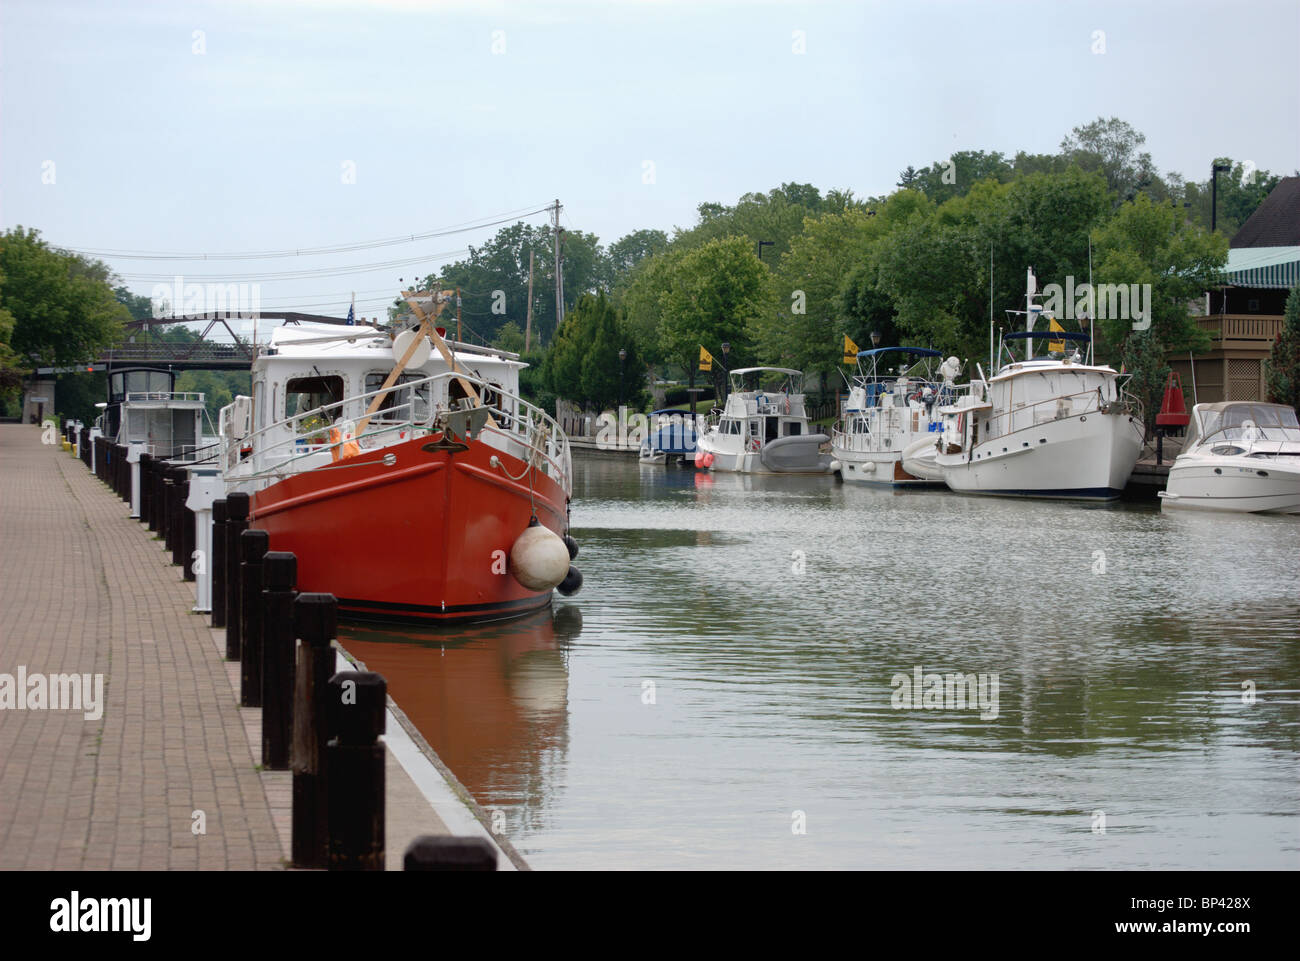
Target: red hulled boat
{"type": "Point", "coordinates": [404, 472]}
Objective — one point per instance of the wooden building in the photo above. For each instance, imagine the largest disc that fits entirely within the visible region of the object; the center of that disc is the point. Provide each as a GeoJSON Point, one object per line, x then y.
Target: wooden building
{"type": "Point", "coordinates": [1244, 316]}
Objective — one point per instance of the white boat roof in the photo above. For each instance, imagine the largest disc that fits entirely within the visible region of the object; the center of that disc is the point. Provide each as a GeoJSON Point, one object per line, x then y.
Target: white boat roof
{"type": "Point", "coordinates": [1041, 365]}
{"type": "Point", "coordinates": [337, 341]}
{"type": "Point", "coordinates": [776, 370]}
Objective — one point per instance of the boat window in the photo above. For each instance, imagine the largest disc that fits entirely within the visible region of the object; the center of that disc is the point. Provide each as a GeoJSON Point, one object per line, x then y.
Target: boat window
{"type": "Point", "coordinates": [793, 429]}
{"type": "Point", "coordinates": [302, 394]}
{"type": "Point", "coordinates": [1227, 450]}
{"type": "Point", "coordinates": [401, 402]}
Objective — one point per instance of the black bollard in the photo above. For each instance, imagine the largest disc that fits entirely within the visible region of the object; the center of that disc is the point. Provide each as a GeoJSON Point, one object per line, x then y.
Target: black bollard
{"type": "Point", "coordinates": [357, 707]}
{"type": "Point", "coordinates": [279, 573]}
{"type": "Point", "coordinates": [236, 524]}
{"type": "Point", "coordinates": [180, 490]}
{"type": "Point", "coordinates": [144, 487]}
{"type": "Point", "coordinates": [253, 546]}
{"type": "Point", "coordinates": [432, 852]}
{"type": "Point", "coordinates": [315, 621]}
{"type": "Point", "coordinates": [164, 481]}
{"type": "Point", "coordinates": [150, 516]}
{"type": "Point", "coordinates": [218, 562]}
{"type": "Point", "coordinates": [189, 536]}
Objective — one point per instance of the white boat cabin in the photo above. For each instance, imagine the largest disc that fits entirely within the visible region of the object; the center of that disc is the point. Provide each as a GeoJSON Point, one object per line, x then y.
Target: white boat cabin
{"type": "Point", "coordinates": [314, 384]}
{"type": "Point", "coordinates": [765, 403]}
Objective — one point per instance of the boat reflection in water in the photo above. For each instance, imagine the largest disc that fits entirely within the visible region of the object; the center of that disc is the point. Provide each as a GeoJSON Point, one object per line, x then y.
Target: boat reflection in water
{"type": "Point", "coordinates": [491, 699]}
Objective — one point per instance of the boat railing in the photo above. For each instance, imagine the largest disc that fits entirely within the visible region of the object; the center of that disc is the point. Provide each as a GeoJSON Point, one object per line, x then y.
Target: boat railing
{"type": "Point", "coordinates": [1023, 415]}
{"type": "Point", "coordinates": [325, 435]}
{"type": "Point", "coordinates": [165, 396]}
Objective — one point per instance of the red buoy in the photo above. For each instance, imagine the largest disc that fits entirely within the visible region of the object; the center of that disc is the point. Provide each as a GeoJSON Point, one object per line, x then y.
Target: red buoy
{"type": "Point", "coordinates": [1173, 410]}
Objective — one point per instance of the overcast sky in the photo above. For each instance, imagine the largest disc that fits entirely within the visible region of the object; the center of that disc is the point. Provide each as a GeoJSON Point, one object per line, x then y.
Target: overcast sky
{"type": "Point", "coordinates": [234, 126]}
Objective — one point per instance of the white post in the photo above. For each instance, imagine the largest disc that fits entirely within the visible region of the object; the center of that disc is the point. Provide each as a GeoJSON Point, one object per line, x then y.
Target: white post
{"type": "Point", "coordinates": [76, 441]}
{"type": "Point", "coordinates": [133, 451]}
{"type": "Point", "coordinates": [206, 486]}
{"type": "Point", "coordinates": [95, 433]}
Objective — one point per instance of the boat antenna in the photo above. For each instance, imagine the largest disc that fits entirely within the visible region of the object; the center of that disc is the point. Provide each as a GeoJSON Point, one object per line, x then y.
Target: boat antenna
{"type": "Point", "coordinates": [990, 306]}
{"type": "Point", "coordinates": [1092, 343]}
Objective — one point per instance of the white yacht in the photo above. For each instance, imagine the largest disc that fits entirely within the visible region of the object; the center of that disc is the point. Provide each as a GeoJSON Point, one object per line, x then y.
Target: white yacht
{"type": "Point", "coordinates": [763, 427]}
{"type": "Point", "coordinates": [1054, 426]}
{"type": "Point", "coordinates": [144, 407]}
{"type": "Point", "coordinates": [1239, 456]}
{"type": "Point", "coordinates": [894, 402]}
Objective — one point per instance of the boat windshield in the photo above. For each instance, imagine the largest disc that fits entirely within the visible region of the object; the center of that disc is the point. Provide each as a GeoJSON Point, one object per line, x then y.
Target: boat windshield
{"type": "Point", "coordinates": [1264, 422]}
{"type": "Point", "coordinates": [766, 381]}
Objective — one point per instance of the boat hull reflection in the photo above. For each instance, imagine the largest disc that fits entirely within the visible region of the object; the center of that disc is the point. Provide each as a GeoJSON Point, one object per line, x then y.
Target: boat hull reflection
{"type": "Point", "coordinates": [490, 699]}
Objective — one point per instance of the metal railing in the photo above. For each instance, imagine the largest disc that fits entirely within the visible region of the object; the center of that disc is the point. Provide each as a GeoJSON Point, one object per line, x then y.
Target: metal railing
{"type": "Point", "coordinates": [536, 436]}
{"type": "Point", "coordinates": [188, 396]}
{"type": "Point", "coordinates": [1082, 403]}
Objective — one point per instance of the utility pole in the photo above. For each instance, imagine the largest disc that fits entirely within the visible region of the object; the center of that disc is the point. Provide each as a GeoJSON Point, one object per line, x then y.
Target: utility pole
{"type": "Point", "coordinates": [559, 269]}
{"type": "Point", "coordinates": [1215, 170]}
{"type": "Point", "coordinates": [528, 326]}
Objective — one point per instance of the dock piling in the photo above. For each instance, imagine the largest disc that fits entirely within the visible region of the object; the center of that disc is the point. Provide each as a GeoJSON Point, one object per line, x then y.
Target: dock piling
{"type": "Point", "coordinates": [433, 852]}
{"type": "Point", "coordinates": [316, 622]}
{"type": "Point", "coordinates": [354, 770]}
{"type": "Point", "coordinates": [236, 524]}
{"type": "Point", "coordinates": [253, 546]}
{"type": "Point", "coordinates": [218, 563]}
{"type": "Point", "coordinates": [279, 574]}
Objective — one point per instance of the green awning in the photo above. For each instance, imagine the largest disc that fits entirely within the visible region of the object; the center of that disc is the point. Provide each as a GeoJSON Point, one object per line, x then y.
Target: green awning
{"type": "Point", "coordinates": [1276, 268]}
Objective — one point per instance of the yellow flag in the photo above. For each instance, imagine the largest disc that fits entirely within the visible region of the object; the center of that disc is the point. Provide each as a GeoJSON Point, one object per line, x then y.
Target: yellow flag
{"type": "Point", "coordinates": [850, 351]}
{"type": "Point", "coordinates": [706, 359]}
{"type": "Point", "coordinates": [1053, 326]}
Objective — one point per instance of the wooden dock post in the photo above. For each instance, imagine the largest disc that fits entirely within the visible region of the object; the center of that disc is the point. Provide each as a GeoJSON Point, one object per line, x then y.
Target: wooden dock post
{"type": "Point", "coordinates": [236, 524]}
{"type": "Point", "coordinates": [253, 546]}
{"type": "Point", "coordinates": [316, 622]}
{"type": "Point", "coordinates": [354, 770]}
{"type": "Point", "coordinates": [279, 573]}
{"type": "Point", "coordinates": [217, 562]}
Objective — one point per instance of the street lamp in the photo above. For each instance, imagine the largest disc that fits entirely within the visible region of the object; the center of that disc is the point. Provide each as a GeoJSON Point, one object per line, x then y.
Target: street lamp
{"type": "Point", "coordinates": [726, 366]}
{"type": "Point", "coordinates": [1214, 193]}
{"type": "Point", "coordinates": [875, 338]}
{"type": "Point", "coordinates": [622, 356]}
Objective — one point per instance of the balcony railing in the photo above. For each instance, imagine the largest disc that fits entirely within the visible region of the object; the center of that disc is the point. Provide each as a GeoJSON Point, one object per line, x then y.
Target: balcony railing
{"type": "Point", "coordinates": [1243, 330]}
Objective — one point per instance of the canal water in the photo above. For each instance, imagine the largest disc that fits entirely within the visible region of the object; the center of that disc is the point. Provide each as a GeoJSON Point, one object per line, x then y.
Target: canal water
{"type": "Point", "coordinates": [727, 689]}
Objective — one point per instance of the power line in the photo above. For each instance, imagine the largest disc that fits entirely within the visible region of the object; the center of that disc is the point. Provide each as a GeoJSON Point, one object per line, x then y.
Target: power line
{"type": "Point", "coordinates": [460, 228]}
{"type": "Point", "coordinates": [302, 274]}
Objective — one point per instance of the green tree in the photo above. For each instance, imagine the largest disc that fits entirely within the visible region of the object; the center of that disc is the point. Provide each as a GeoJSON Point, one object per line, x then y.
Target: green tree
{"type": "Point", "coordinates": [509, 338]}
{"type": "Point", "coordinates": [1282, 368]}
{"type": "Point", "coordinates": [716, 293]}
{"type": "Point", "coordinates": [1148, 243]}
{"type": "Point", "coordinates": [806, 327]}
{"type": "Point", "coordinates": [1113, 147]}
{"type": "Point", "coordinates": [62, 305]}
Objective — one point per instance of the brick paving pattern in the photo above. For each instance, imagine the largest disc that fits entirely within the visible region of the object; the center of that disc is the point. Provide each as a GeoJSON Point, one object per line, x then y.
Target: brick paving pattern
{"type": "Point", "coordinates": [88, 590]}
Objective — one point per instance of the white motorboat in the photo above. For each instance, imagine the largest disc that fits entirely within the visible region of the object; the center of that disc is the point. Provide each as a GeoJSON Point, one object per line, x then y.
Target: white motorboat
{"type": "Point", "coordinates": [763, 427]}
{"type": "Point", "coordinates": [1239, 456]}
{"type": "Point", "coordinates": [893, 404]}
{"type": "Point", "coordinates": [1053, 426]}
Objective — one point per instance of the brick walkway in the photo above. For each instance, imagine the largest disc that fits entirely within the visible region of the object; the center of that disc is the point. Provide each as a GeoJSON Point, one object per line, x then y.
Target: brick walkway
{"type": "Point", "coordinates": [85, 589]}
